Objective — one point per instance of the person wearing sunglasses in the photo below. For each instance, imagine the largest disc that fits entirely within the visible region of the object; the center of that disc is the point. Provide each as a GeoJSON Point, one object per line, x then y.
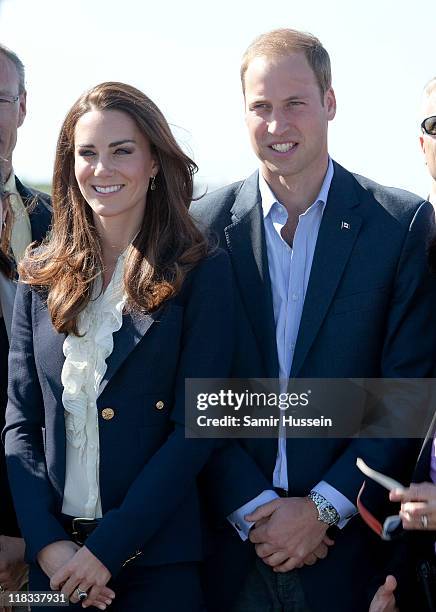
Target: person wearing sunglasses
{"type": "Point", "coordinates": [418, 502]}
{"type": "Point", "coordinates": [25, 216]}
{"type": "Point", "coordinates": [427, 137]}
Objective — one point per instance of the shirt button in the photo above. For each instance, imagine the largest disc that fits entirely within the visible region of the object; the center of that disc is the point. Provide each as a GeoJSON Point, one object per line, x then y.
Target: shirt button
{"type": "Point", "coordinates": [92, 446]}
{"type": "Point", "coordinates": [295, 297]}
{"type": "Point", "coordinates": [292, 346]}
{"type": "Point", "coordinates": [160, 405]}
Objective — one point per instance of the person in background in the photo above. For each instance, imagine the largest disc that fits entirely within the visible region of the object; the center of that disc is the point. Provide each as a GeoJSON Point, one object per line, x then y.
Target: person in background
{"type": "Point", "coordinates": [427, 137]}
{"type": "Point", "coordinates": [418, 509]}
{"type": "Point", "coordinates": [26, 216]}
{"type": "Point", "coordinates": [114, 312]}
{"type": "Point", "coordinates": [417, 544]}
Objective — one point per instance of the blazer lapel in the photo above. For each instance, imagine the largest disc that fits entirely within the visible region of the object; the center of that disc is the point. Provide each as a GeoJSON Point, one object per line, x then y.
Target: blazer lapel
{"type": "Point", "coordinates": [51, 360]}
{"type": "Point", "coordinates": [339, 229]}
{"type": "Point", "coordinates": [51, 355]}
{"type": "Point", "coordinates": [39, 213]}
{"type": "Point", "coordinates": [135, 326]}
{"type": "Point", "coordinates": [246, 243]}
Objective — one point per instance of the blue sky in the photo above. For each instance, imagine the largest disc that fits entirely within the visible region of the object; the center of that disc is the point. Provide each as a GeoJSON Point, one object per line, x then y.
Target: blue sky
{"type": "Point", "coordinates": [186, 55]}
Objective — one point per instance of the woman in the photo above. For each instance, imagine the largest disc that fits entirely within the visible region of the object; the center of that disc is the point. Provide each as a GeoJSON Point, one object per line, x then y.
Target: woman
{"type": "Point", "coordinates": [112, 315]}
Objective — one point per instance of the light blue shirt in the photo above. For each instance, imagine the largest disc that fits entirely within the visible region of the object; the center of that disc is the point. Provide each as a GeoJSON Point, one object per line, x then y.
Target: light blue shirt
{"type": "Point", "coordinates": [289, 270]}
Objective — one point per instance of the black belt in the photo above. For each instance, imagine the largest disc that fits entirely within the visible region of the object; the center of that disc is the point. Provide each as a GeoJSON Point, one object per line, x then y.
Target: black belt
{"type": "Point", "coordinates": [80, 528]}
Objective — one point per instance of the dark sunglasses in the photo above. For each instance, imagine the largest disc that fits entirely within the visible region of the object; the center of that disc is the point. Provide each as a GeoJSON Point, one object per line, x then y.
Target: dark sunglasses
{"type": "Point", "coordinates": [429, 126]}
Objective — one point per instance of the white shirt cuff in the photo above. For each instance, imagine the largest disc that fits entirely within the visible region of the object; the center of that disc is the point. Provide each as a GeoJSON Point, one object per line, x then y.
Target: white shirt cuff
{"type": "Point", "coordinates": [236, 518]}
{"type": "Point", "coordinates": [342, 504]}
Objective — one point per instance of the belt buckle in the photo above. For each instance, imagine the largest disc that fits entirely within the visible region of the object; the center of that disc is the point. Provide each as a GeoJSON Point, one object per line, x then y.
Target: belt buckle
{"type": "Point", "coordinates": [76, 532]}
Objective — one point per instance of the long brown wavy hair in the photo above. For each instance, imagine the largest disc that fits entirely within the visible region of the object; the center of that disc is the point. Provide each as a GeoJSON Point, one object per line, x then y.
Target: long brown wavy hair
{"type": "Point", "coordinates": [168, 244]}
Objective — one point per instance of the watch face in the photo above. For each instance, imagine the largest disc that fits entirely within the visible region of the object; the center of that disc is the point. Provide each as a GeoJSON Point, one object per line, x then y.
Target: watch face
{"type": "Point", "coordinates": [326, 511]}
{"type": "Point", "coordinates": [329, 515]}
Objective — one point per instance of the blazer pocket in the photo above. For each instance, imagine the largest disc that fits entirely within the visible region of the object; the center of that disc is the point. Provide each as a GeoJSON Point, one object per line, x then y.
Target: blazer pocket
{"type": "Point", "coordinates": [361, 301]}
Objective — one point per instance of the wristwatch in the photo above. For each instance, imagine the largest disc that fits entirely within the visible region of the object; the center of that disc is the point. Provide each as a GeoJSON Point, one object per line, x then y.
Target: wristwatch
{"type": "Point", "coordinates": [327, 513]}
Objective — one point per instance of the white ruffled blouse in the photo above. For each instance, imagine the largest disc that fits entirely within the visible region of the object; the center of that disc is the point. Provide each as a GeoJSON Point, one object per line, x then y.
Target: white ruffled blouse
{"type": "Point", "coordinates": [83, 370]}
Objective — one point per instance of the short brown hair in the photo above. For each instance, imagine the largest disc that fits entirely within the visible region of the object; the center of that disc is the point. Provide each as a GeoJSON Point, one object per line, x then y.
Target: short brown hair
{"type": "Point", "coordinates": [279, 43]}
{"type": "Point", "coordinates": [168, 244]}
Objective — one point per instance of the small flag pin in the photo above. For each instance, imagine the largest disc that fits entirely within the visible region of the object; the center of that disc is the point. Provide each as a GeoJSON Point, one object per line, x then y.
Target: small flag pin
{"type": "Point", "coordinates": [345, 225]}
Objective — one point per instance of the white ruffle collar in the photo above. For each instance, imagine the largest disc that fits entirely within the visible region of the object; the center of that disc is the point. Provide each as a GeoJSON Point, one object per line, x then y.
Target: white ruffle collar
{"type": "Point", "coordinates": [85, 355]}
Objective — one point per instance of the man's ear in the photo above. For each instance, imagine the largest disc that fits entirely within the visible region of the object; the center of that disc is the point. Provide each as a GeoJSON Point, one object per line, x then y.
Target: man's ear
{"type": "Point", "coordinates": [22, 101]}
{"type": "Point", "coordinates": [330, 103]}
{"type": "Point", "coordinates": [422, 143]}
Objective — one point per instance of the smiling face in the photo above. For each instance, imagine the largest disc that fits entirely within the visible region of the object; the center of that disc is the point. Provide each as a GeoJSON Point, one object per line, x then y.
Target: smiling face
{"type": "Point", "coordinates": [113, 166]}
{"type": "Point", "coordinates": [287, 117]}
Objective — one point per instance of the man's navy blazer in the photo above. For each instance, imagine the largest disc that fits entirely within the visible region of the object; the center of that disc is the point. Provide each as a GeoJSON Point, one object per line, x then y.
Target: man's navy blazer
{"type": "Point", "coordinates": [369, 312]}
{"type": "Point", "coordinates": [38, 205]}
{"type": "Point", "coordinates": [148, 468]}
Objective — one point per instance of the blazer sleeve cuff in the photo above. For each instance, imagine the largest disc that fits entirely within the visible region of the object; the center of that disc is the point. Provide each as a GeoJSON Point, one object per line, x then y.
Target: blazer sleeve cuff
{"type": "Point", "coordinates": [102, 542]}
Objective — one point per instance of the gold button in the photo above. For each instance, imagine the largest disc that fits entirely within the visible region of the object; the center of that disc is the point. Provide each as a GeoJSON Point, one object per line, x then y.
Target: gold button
{"type": "Point", "coordinates": [160, 405]}
{"type": "Point", "coordinates": [107, 414]}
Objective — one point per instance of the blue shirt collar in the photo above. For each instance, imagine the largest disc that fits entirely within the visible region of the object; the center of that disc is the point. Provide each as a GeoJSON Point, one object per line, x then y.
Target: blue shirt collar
{"type": "Point", "coordinates": [269, 199]}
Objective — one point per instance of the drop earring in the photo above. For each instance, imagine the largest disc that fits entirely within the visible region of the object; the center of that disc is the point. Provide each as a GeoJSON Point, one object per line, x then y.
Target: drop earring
{"type": "Point", "coordinates": [153, 183]}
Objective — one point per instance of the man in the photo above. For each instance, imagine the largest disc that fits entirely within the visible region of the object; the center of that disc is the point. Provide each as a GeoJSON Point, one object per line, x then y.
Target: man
{"type": "Point", "coordinates": [384, 600]}
{"type": "Point", "coordinates": [331, 273]}
{"type": "Point", "coordinates": [29, 219]}
{"type": "Point", "coordinates": [427, 138]}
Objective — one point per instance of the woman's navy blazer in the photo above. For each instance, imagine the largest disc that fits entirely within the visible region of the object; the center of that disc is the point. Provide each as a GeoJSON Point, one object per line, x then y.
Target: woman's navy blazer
{"type": "Point", "coordinates": [148, 468]}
